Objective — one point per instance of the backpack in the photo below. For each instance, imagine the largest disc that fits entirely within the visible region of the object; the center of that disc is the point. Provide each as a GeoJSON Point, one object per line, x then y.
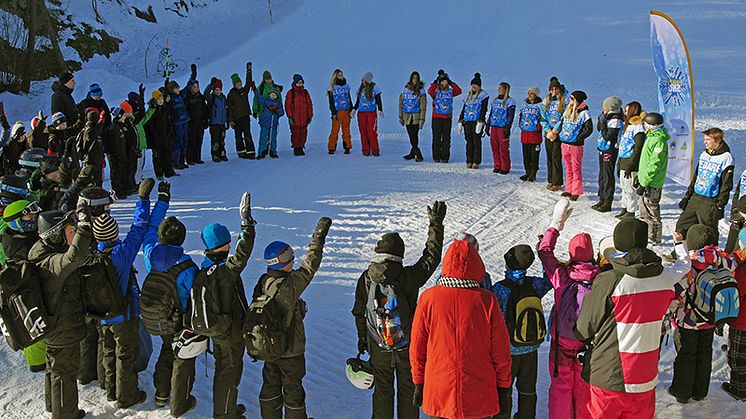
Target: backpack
{"type": "Point", "coordinates": [525, 315]}
{"type": "Point", "coordinates": [568, 308]}
{"type": "Point", "coordinates": [101, 292]}
{"type": "Point", "coordinates": [160, 307]}
{"type": "Point", "coordinates": [716, 298]}
{"type": "Point", "coordinates": [204, 315]}
{"type": "Point", "coordinates": [25, 319]}
{"type": "Point", "coordinates": [267, 325]}
{"type": "Point", "coordinates": [382, 317]}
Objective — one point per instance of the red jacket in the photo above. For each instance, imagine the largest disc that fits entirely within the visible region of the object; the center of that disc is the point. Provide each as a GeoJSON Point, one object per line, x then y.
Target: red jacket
{"type": "Point", "coordinates": [460, 348]}
{"type": "Point", "coordinates": [298, 106]}
{"type": "Point", "coordinates": [740, 322]}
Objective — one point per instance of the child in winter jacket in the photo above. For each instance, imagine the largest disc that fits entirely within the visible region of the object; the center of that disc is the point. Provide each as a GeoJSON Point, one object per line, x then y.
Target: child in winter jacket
{"type": "Point", "coordinates": [651, 174]}
{"type": "Point", "coordinates": [458, 323]}
{"type": "Point", "coordinates": [340, 105]}
{"type": "Point", "coordinates": [196, 106]}
{"type": "Point", "coordinates": [299, 109]}
{"type": "Point", "coordinates": [610, 124]}
{"type": "Point", "coordinates": [442, 90]}
{"type": "Point", "coordinates": [282, 379]}
{"type": "Point", "coordinates": [529, 121]}
{"type": "Point", "coordinates": [554, 106]}
{"type": "Point", "coordinates": [501, 114]}
{"type": "Point", "coordinates": [524, 355]}
{"type": "Point", "coordinates": [59, 132]}
{"type": "Point", "coordinates": [471, 121]}
{"type": "Point", "coordinates": [568, 392]}
{"type": "Point", "coordinates": [369, 106]}
{"type": "Point", "coordinates": [217, 118]}
{"type": "Point", "coordinates": [11, 152]}
{"type": "Point", "coordinates": [270, 119]}
{"type": "Point", "coordinates": [160, 135]}
{"type": "Point", "coordinates": [630, 149]}
{"type": "Point", "coordinates": [239, 112]}
{"type": "Point", "coordinates": [693, 364]}
{"type": "Point", "coordinates": [576, 127]}
{"type": "Point", "coordinates": [180, 120]}
{"type": "Point", "coordinates": [736, 387]}
{"type": "Point", "coordinates": [412, 110]}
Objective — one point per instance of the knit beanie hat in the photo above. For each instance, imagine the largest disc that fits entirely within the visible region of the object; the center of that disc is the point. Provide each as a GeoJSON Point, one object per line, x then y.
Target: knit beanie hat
{"type": "Point", "coordinates": [126, 107]}
{"type": "Point", "coordinates": [58, 118]}
{"type": "Point", "coordinates": [391, 244]}
{"type": "Point", "coordinates": [116, 112]}
{"type": "Point", "coordinates": [297, 78]}
{"type": "Point", "coordinates": [215, 236]}
{"type": "Point", "coordinates": [35, 121]}
{"type": "Point", "coordinates": [278, 255]}
{"type": "Point", "coordinates": [156, 94]}
{"type": "Point", "coordinates": [65, 77]}
{"type": "Point", "coordinates": [266, 75]}
{"type": "Point", "coordinates": [172, 85]}
{"type": "Point", "coordinates": [614, 103]}
{"type": "Point", "coordinates": [581, 248]}
{"type": "Point", "coordinates": [218, 84]}
{"type": "Point", "coordinates": [368, 77]}
{"type": "Point", "coordinates": [442, 75]}
{"type": "Point", "coordinates": [519, 257]}
{"type": "Point", "coordinates": [699, 236]}
{"type": "Point", "coordinates": [17, 130]}
{"type": "Point", "coordinates": [462, 261]}
{"type": "Point", "coordinates": [105, 228]}
{"type": "Point", "coordinates": [741, 204]}
{"type": "Point", "coordinates": [235, 79]}
{"type": "Point", "coordinates": [172, 231]}
{"type": "Point", "coordinates": [579, 95]}
{"type": "Point", "coordinates": [95, 90]}
{"type": "Point", "coordinates": [477, 79]}
{"type": "Point", "coordinates": [535, 90]}
{"type": "Point", "coordinates": [630, 233]}
{"type": "Point", "coordinates": [133, 97]}
{"type": "Point", "coordinates": [469, 238]}
{"type": "Point", "coordinates": [554, 82]}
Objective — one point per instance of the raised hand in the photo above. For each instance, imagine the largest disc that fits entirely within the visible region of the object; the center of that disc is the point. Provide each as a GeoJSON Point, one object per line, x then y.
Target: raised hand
{"type": "Point", "coordinates": [245, 210]}
{"type": "Point", "coordinates": [146, 186]}
{"type": "Point", "coordinates": [437, 212]}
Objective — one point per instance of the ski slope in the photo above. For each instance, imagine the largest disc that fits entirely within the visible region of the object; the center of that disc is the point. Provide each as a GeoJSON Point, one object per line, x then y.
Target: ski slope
{"type": "Point", "coordinates": [598, 47]}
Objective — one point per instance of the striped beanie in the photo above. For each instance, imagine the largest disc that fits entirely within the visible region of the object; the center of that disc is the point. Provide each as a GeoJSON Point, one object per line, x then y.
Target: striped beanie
{"type": "Point", "coordinates": [95, 90]}
{"type": "Point", "coordinates": [105, 228]}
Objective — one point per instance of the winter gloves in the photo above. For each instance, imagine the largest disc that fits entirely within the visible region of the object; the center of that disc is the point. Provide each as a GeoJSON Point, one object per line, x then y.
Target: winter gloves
{"type": "Point", "coordinates": [480, 127]}
{"type": "Point", "coordinates": [146, 186]}
{"type": "Point", "coordinates": [505, 396]}
{"type": "Point", "coordinates": [460, 128]}
{"type": "Point", "coordinates": [417, 397]}
{"type": "Point", "coordinates": [362, 345]}
{"type": "Point", "coordinates": [322, 229]}
{"type": "Point", "coordinates": [245, 210]}
{"type": "Point", "coordinates": [561, 213]}
{"type": "Point", "coordinates": [506, 132]}
{"type": "Point", "coordinates": [437, 212]}
{"type": "Point", "coordinates": [164, 191]}
{"type": "Point", "coordinates": [83, 212]}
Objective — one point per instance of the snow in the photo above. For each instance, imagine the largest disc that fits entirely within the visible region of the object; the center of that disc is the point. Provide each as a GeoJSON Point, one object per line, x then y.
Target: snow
{"type": "Point", "coordinates": [598, 47]}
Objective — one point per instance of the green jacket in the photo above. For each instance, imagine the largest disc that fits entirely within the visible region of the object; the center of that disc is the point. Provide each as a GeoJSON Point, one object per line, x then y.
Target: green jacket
{"type": "Point", "coordinates": [142, 140]}
{"type": "Point", "coordinates": [654, 159]}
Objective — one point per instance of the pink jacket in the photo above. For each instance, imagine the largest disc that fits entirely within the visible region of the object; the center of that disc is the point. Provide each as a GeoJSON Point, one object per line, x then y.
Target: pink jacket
{"type": "Point", "coordinates": [561, 275]}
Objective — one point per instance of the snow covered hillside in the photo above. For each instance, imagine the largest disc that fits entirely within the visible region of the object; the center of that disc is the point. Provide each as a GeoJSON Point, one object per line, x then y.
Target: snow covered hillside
{"type": "Point", "coordinates": [600, 47]}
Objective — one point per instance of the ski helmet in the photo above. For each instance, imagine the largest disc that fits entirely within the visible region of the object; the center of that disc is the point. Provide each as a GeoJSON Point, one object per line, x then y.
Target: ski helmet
{"type": "Point", "coordinates": [14, 212]}
{"type": "Point", "coordinates": [360, 373]}
{"type": "Point", "coordinates": [189, 345]}
{"type": "Point", "coordinates": [49, 164]}
{"type": "Point", "coordinates": [31, 158]}
{"type": "Point", "coordinates": [52, 226]}
{"type": "Point", "coordinates": [98, 200]}
{"type": "Point", "coordinates": [12, 188]}
{"type": "Point", "coordinates": [654, 119]}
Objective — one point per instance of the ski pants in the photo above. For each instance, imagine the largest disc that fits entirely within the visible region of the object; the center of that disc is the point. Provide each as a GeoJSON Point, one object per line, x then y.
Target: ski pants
{"type": "Point", "coordinates": [737, 360]}
{"type": "Point", "coordinates": [525, 369]}
{"type": "Point", "coordinates": [531, 158]}
{"type": "Point", "coordinates": [630, 200]}
{"type": "Point", "coordinates": [650, 212]}
{"type": "Point", "coordinates": [569, 394]}
{"type": "Point", "coordinates": [736, 224]}
{"type": "Point", "coordinates": [242, 131]}
{"type": "Point", "coordinates": [386, 366]}
{"type": "Point", "coordinates": [413, 132]}
{"type": "Point", "coordinates": [442, 139]}
{"type": "Point", "coordinates": [693, 364]}
{"type": "Point", "coordinates": [217, 141]}
{"type": "Point", "coordinates": [606, 174]}
{"type": "Point", "coordinates": [282, 389]}
{"type": "Point", "coordinates": [500, 148]}
{"type": "Point", "coordinates": [298, 136]}
{"type": "Point", "coordinates": [181, 136]}
{"type": "Point", "coordinates": [228, 353]}
{"type": "Point", "coordinates": [608, 404]}
{"type": "Point", "coordinates": [118, 165]}
{"type": "Point", "coordinates": [367, 122]}
{"type": "Point", "coordinates": [699, 210]}
{"type": "Point", "coordinates": [120, 346]}
{"type": "Point", "coordinates": [173, 377]}
{"type": "Point", "coordinates": [162, 162]}
{"type": "Point", "coordinates": [268, 140]}
{"type": "Point", "coordinates": [572, 156]}
{"type": "Point", "coordinates": [140, 167]}
{"type": "Point", "coordinates": [90, 368]}
{"type": "Point", "coordinates": [473, 143]}
{"type": "Point", "coordinates": [342, 121]}
{"type": "Point", "coordinates": [194, 142]}
{"type": "Point", "coordinates": [554, 162]}
{"type": "Point", "coordinates": [62, 366]}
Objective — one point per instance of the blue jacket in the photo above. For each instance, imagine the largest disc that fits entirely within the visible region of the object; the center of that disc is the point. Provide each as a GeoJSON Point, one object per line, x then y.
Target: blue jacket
{"type": "Point", "coordinates": [218, 109]}
{"type": "Point", "coordinates": [270, 118]}
{"type": "Point", "coordinates": [179, 113]}
{"type": "Point", "coordinates": [162, 257]}
{"type": "Point", "coordinates": [123, 254]}
{"type": "Point", "coordinates": [542, 287]}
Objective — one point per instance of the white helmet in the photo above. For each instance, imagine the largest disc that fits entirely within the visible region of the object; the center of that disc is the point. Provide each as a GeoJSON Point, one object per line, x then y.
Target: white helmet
{"type": "Point", "coordinates": [360, 373]}
{"type": "Point", "coordinates": [189, 345]}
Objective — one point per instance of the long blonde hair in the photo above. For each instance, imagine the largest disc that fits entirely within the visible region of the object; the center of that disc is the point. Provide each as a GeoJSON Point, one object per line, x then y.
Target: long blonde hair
{"type": "Point", "coordinates": [334, 79]}
{"type": "Point", "coordinates": [507, 92]}
{"type": "Point", "coordinates": [560, 100]}
{"type": "Point", "coordinates": [571, 112]}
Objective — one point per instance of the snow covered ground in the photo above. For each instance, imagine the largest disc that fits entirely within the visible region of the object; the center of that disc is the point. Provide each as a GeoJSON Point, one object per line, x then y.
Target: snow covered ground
{"type": "Point", "coordinates": [593, 46]}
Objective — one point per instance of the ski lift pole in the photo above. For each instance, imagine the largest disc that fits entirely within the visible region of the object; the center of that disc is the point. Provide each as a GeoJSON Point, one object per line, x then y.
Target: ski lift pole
{"type": "Point", "coordinates": [167, 54]}
{"type": "Point", "coordinates": [269, 6]}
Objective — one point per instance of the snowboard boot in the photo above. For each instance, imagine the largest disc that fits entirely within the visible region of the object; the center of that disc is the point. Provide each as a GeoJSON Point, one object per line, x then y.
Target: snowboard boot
{"type": "Point", "coordinates": [418, 156]}
{"type": "Point", "coordinates": [678, 399]}
{"type": "Point", "coordinates": [597, 205]}
{"type": "Point", "coordinates": [331, 152]}
{"type": "Point", "coordinates": [410, 156]}
{"type": "Point", "coordinates": [621, 214]}
{"type": "Point", "coordinates": [731, 391]}
{"type": "Point", "coordinates": [160, 401]}
{"type": "Point", "coordinates": [142, 396]}
{"type": "Point", "coordinates": [272, 155]}
{"type": "Point", "coordinates": [216, 159]}
{"type": "Point", "coordinates": [524, 177]}
{"type": "Point", "coordinates": [475, 165]}
{"type": "Point", "coordinates": [556, 188]}
{"type": "Point", "coordinates": [565, 194]}
{"type": "Point", "coordinates": [243, 155]}
{"type": "Point", "coordinates": [190, 404]}
{"type": "Point", "coordinates": [532, 176]}
{"type": "Point", "coordinates": [223, 158]}
{"type": "Point", "coordinates": [604, 207]}
{"type": "Point", "coordinates": [240, 409]}
{"type": "Point", "coordinates": [301, 152]}
{"type": "Point", "coordinates": [200, 162]}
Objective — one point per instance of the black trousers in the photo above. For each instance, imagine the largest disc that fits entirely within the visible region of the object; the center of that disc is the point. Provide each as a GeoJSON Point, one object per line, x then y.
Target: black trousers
{"type": "Point", "coordinates": [413, 131]}
{"type": "Point", "coordinates": [737, 360]}
{"type": "Point", "coordinates": [62, 366]}
{"type": "Point", "coordinates": [607, 174]}
{"type": "Point", "coordinates": [473, 143]}
{"type": "Point", "coordinates": [118, 165]}
{"type": "Point", "coordinates": [89, 362]}
{"type": "Point", "coordinates": [228, 370]}
{"type": "Point", "coordinates": [163, 162]}
{"type": "Point", "coordinates": [525, 369]}
{"type": "Point", "coordinates": [693, 364]}
{"type": "Point", "coordinates": [554, 162]}
{"type": "Point", "coordinates": [531, 158]}
{"type": "Point", "coordinates": [442, 139]}
{"type": "Point", "coordinates": [736, 224]}
{"type": "Point", "coordinates": [120, 346]}
{"type": "Point", "coordinates": [387, 366]}
{"type": "Point", "coordinates": [282, 387]}
{"type": "Point", "coordinates": [217, 141]}
{"type": "Point", "coordinates": [195, 137]}
{"type": "Point", "coordinates": [699, 210]}
{"type": "Point", "coordinates": [242, 131]}
{"type": "Point", "coordinates": [173, 377]}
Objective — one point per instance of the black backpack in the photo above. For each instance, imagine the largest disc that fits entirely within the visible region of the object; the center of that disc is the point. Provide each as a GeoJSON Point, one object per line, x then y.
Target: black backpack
{"type": "Point", "coordinates": [204, 305]}
{"type": "Point", "coordinates": [160, 307]}
{"type": "Point", "coordinates": [101, 292]}
{"type": "Point", "coordinates": [525, 315]}
{"type": "Point", "coordinates": [266, 324]}
{"type": "Point", "coordinates": [25, 319]}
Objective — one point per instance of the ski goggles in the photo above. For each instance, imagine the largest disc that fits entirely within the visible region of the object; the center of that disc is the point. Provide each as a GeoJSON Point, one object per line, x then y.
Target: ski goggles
{"type": "Point", "coordinates": [13, 189]}
{"type": "Point", "coordinates": [285, 257]}
{"type": "Point", "coordinates": [57, 231]}
{"type": "Point", "coordinates": [31, 208]}
{"type": "Point", "coordinates": [29, 163]}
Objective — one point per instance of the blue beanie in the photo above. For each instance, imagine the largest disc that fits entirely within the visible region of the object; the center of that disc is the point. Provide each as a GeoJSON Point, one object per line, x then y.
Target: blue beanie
{"type": "Point", "coordinates": [95, 90]}
{"type": "Point", "coordinates": [742, 238]}
{"type": "Point", "coordinates": [278, 255]}
{"type": "Point", "coordinates": [215, 236]}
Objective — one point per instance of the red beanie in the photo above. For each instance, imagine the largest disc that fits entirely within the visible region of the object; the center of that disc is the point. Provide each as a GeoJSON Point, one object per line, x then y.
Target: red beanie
{"type": "Point", "coordinates": [462, 261]}
{"type": "Point", "coordinates": [218, 84]}
{"type": "Point", "coordinates": [126, 107]}
{"type": "Point", "coordinates": [581, 248]}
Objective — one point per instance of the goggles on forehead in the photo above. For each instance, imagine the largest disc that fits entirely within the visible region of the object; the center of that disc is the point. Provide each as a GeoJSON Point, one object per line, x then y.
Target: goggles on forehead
{"type": "Point", "coordinates": [31, 208]}
{"type": "Point", "coordinates": [285, 257]}
{"type": "Point", "coordinates": [13, 189]}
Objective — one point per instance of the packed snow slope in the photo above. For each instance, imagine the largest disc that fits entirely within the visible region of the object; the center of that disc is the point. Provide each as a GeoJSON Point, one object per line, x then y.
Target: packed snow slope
{"type": "Point", "coordinates": [594, 46]}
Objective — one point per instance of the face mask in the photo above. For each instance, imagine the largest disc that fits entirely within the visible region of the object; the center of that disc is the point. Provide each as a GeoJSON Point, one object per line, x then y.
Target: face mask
{"type": "Point", "coordinates": [218, 256]}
